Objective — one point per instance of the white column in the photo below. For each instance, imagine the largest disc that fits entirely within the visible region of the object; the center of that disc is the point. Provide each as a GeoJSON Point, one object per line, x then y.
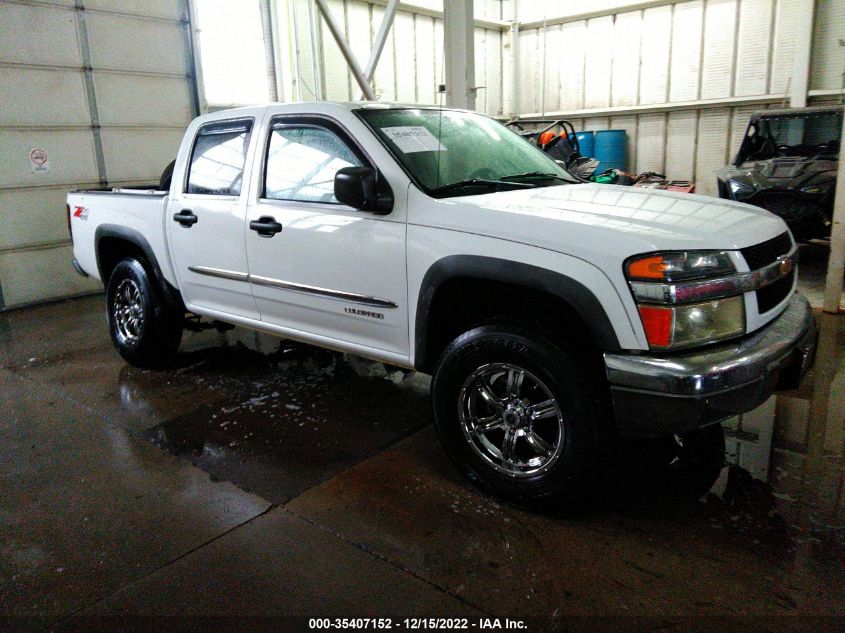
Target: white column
{"type": "Point", "coordinates": [800, 80]}
{"type": "Point", "coordinates": [459, 37]}
{"type": "Point", "coordinates": [836, 262]}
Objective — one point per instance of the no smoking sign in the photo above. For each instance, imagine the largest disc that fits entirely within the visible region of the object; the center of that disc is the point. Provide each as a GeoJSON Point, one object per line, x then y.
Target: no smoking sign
{"type": "Point", "coordinates": [39, 160]}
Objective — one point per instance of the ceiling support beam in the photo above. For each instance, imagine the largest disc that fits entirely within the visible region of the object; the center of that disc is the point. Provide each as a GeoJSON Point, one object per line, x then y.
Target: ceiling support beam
{"type": "Point", "coordinates": [381, 39]}
{"type": "Point", "coordinates": [459, 36]}
{"type": "Point", "coordinates": [348, 55]}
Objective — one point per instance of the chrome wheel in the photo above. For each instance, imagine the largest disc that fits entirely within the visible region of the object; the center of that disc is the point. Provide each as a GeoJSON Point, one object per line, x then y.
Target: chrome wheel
{"type": "Point", "coordinates": [511, 419]}
{"type": "Point", "coordinates": [128, 312]}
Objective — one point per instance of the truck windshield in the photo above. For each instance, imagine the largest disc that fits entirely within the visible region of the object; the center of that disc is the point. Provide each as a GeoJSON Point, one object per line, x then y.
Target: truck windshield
{"type": "Point", "coordinates": [807, 135]}
{"type": "Point", "coordinates": [453, 153]}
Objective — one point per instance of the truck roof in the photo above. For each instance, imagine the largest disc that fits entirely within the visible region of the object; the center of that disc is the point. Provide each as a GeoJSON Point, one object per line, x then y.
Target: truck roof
{"type": "Point", "coordinates": [316, 107]}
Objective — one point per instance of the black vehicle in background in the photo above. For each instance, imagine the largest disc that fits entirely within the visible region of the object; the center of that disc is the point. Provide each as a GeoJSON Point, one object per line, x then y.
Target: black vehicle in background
{"type": "Point", "coordinates": [787, 164]}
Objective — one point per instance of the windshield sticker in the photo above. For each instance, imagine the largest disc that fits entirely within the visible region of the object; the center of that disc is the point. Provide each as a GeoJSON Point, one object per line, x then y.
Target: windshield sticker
{"type": "Point", "coordinates": [413, 138]}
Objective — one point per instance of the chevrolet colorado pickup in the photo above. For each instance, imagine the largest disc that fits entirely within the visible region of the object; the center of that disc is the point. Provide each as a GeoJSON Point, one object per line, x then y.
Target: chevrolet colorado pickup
{"type": "Point", "coordinates": [551, 314]}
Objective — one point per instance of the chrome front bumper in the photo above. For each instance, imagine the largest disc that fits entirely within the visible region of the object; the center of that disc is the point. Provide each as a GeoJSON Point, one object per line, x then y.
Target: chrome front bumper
{"type": "Point", "coordinates": [654, 395]}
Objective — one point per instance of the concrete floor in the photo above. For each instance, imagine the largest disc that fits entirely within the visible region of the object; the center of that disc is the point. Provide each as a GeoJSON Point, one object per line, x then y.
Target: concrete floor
{"type": "Point", "coordinates": [268, 480]}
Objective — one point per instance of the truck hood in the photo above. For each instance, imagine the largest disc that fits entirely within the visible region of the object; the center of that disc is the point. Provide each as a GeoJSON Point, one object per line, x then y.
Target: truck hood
{"type": "Point", "coordinates": [590, 219]}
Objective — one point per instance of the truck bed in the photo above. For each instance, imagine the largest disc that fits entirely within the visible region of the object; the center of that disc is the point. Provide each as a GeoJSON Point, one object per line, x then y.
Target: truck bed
{"type": "Point", "coordinates": [138, 211]}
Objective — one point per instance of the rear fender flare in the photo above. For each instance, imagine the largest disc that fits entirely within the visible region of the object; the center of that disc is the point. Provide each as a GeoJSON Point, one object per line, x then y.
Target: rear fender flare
{"type": "Point", "coordinates": [170, 294]}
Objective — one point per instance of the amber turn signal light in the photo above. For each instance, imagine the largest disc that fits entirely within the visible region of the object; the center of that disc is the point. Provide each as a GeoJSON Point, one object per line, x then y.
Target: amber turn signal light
{"type": "Point", "coordinates": [646, 268]}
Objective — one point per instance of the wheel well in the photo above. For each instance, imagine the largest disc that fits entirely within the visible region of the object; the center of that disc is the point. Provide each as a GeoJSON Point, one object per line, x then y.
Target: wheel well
{"type": "Point", "coordinates": [111, 250]}
{"type": "Point", "coordinates": [462, 303]}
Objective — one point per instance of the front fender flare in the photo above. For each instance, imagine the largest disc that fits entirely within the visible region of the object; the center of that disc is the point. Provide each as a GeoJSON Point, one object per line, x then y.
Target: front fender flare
{"type": "Point", "coordinates": [574, 293]}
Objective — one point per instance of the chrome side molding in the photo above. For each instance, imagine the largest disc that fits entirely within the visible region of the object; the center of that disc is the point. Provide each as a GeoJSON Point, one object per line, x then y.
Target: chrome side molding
{"type": "Point", "coordinates": [323, 292]}
{"type": "Point", "coordinates": [258, 280]}
{"type": "Point", "coordinates": [219, 272]}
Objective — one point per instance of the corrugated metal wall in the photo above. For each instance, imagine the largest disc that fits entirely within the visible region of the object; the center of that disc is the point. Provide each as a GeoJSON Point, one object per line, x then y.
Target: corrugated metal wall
{"type": "Point", "coordinates": [64, 64]}
{"type": "Point", "coordinates": [663, 56]}
{"type": "Point", "coordinates": [411, 65]}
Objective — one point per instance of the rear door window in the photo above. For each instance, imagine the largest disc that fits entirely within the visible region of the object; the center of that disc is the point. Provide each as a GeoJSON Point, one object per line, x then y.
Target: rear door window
{"type": "Point", "coordinates": [218, 157]}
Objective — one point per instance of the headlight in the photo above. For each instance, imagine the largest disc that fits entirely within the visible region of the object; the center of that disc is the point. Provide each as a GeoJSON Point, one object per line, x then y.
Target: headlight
{"type": "Point", "coordinates": [740, 190]}
{"type": "Point", "coordinates": [824, 188]}
{"type": "Point", "coordinates": [679, 266]}
{"type": "Point", "coordinates": [693, 324]}
{"type": "Point", "coordinates": [686, 298]}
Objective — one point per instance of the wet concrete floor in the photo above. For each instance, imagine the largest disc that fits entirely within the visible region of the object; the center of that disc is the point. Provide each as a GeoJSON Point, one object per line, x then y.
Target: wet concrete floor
{"type": "Point", "coordinates": [263, 479]}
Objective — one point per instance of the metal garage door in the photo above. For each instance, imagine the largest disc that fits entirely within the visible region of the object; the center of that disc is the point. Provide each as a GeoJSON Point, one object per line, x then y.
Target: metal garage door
{"type": "Point", "coordinates": [103, 89]}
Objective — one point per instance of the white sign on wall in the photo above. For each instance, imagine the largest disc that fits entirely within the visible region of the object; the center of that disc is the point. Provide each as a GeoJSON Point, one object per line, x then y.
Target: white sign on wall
{"type": "Point", "coordinates": [39, 160]}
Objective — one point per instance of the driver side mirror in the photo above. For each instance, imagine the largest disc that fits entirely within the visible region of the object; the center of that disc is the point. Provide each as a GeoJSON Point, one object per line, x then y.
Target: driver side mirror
{"type": "Point", "coordinates": [363, 188]}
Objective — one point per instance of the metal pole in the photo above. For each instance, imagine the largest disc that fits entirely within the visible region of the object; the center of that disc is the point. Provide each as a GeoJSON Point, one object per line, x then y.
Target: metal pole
{"type": "Point", "coordinates": [88, 79]}
{"type": "Point", "coordinates": [315, 62]}
{"type": "Point", "coordinates": [381, 39]}
{"type": "Point", "coordinates": [298, 68]}
{"type": "Point", "coordinates": [269, 49]}
{"type": "Point", "coordinates": [836, 261]}
{"type": "Point", "coordinates": [514, 69]}
{"type": "Point", "coordinates": [195, 84]}
{"type": "Point", "coordinates": [543, 70]}
{"type": "Point", "coordinates": [459, 36]}
{"type": "Point", "coordinates": [347, 52]}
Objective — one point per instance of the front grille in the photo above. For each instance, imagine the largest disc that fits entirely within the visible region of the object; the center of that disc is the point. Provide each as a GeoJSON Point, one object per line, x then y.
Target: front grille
{"type": "Point", "coordinates": [767, 252]}
{"type": "Point", "coordinates": [771, 295]}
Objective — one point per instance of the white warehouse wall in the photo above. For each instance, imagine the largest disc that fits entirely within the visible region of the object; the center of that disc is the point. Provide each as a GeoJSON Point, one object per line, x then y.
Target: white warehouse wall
{"type": "Point", "coordinates": [139, 86]}
{"type": "Point", "coordinates": [737, 54]}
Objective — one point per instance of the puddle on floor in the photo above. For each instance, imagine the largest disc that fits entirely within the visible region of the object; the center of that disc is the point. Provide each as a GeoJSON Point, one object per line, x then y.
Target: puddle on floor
{"type": "Point", "coordinates": [290, 415]}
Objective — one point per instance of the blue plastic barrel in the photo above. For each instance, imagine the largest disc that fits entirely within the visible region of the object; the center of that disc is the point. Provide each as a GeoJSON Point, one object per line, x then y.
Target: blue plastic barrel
{"type": "Point", "coordinates": [585, 143]}
{"type": "Point", "coordinates": [611, 149]}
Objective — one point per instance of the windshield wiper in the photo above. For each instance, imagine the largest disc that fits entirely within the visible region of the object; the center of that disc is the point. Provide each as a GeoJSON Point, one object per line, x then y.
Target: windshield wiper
{"type": "Point", "coordinates": [534, 174]}
{"type": "Point", "coordinates": [478, 182]}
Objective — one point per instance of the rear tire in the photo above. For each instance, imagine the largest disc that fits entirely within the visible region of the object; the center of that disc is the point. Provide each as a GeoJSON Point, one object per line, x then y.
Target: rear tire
{"type": "Point", "coordinates": [519, 416]}
{"type": "Point", "coordinates": [144, 329]}
{"type": "Point", "coordinates": [166, 176]}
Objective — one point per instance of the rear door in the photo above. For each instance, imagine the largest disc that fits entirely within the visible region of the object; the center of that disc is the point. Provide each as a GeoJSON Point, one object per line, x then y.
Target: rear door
{"type": "Point", "coordinates": [205, 222]}
{"type": "Point", "coordinates": [328, 270]}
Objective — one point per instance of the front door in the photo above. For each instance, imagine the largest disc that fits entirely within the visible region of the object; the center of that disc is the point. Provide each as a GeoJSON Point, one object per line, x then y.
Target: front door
{"type": "Point", "coordinates": [206, 222]}
{"type": "Point", "coordinates": [316, 266]}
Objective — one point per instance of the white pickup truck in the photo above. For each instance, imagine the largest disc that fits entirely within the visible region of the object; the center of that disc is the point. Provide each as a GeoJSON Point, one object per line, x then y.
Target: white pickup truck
{"type": "Point", "coordinates": [552, 314]}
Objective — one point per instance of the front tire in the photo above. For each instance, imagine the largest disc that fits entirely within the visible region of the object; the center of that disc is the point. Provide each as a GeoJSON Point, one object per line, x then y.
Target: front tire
{"type": "Point", "coordinates": [145, 331]}
{"type": "Point", "coordinates": [519, 416]}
